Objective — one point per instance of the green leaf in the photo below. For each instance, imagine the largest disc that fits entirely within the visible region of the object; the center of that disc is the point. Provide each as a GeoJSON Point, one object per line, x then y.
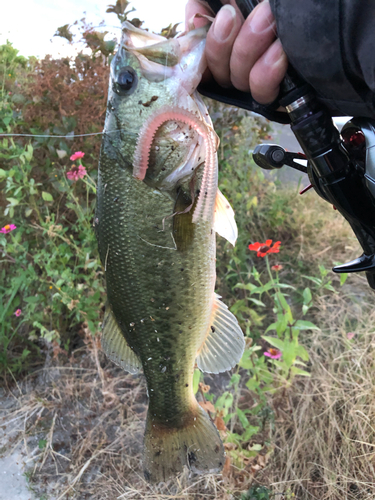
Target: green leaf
{"type": "Point", "coordinates": [307, 297]}
{"type": "Point", "coordinates": [252, 384]}
{"type": "Point", "coordinates": [249, 433]}
{"type": "Point", "coordinates": [284, 304]}
{"type": "Point", "coordinates": [47, 196]}
{"type": "Point", "coordinates": [297, 371]}
{"type": "Point", "coordinates": [289, 353]}
{"type": "Point", "coordinates": [224, 401]}
{"type": "Point", "coordinates": [25, 353]}
{"type": "Point", "coordinates": [42, 444]}
{"type": "Point", "coordinates": [257, 302]}
{"type": "Point", "coordinates": [29, 152]}
{"type": "Point", "coordinates": [302, 353]}
{"type": "Point", "coordinates": [242, 418]}
{"type": "Point", "coordinates": [13, 202]}
{"type": "Point", "coordinates": [281, 324]}
{"type": "Point", "coordinates": [272, 326]}
{"type": "Point", "coordinates": [343, 276]}
{"type": "Point", "coordinates": [32, 300]}
{"type": "Point", "coordinates": [196, 380]}
{"type": "Point", "coordinates": [235, 379]}
{"type": "Point", "coordinates": [323, 271]}
{"type": "Point", "coordinates": [2, 173]}
{"type": "Point", "coordinates": [283, 285]}
{"type": "Point", "coordinates": [242, 286]}
{"type": "Point", "coordinates": [246, 361]}
{"type": "Point", "coordinates": [317, 281]}
{"type": "Point", "coordinates": [304, 325]}
{"type": "Point", "coordinates": [238, 306]}
{"type": "Point", "coordinates": [278, 343]}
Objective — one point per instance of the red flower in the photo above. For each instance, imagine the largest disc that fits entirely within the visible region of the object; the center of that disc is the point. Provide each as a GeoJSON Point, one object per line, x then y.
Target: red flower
{"type": "Point", "coordinates": [264, 249]}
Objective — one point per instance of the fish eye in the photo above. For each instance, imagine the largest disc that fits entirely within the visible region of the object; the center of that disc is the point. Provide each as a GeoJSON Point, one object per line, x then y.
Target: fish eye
{"type": "Point", "coordinates": [126, 81]}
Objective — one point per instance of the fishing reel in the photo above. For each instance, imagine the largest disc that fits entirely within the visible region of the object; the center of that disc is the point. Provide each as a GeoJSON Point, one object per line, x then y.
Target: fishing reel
{"type": "Point", "coordinates": [340, 166]}
{"type": "Point", "coordinates": [344, 175]}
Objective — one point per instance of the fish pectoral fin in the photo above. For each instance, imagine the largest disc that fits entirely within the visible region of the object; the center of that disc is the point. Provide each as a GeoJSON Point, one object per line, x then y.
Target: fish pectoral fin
{"type": "Point", "coordinates": [224, 343]}
{"type": "Point", "coordinates": [224, 222]}
{"type": "Point", "coordinates": [115, 345]}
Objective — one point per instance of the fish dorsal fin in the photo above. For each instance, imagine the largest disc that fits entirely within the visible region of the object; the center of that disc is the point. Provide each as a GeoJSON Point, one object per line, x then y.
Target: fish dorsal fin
{"type": "Point", "coordinates": [224, 222]}
{"type": "Point", "coordinates": [224, 343]}
{"type": "Point", "coordinates": [115, 345]}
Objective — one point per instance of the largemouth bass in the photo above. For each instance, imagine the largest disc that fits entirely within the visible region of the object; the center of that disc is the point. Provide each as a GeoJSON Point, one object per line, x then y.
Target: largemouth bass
{"type": "Point", "coordinates": [158, 208]}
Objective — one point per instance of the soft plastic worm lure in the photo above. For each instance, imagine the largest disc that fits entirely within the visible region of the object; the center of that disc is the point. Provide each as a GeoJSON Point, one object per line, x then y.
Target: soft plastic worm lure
{"type": "Point", "coordinates": [207, 195]}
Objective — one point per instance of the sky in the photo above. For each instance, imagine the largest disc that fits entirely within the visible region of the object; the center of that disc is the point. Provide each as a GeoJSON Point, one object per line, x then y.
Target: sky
{"type": "Point", "coordinates": [30, 24]}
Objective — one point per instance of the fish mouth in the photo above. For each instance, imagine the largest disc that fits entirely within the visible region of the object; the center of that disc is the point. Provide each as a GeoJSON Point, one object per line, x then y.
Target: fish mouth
{"type": "Point", "coordinates": [158, 58]}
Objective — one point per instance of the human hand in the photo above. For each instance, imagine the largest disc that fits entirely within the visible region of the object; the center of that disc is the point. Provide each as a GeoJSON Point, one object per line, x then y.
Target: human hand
{"type": "Point", "coordinates": [245, 54]}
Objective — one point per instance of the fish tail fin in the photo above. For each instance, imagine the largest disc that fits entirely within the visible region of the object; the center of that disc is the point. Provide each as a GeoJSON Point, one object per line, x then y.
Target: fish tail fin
{"type": "Point", "coordinates": [196, 444]}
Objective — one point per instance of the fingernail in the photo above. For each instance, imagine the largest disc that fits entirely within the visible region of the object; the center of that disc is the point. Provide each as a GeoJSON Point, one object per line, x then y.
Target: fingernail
{"type": "Point", "coordinates": [274, 54]}
{"type": "Point", "coordinates": [224, 23]}
{"type": "Point", "coordinates": [262, 18]}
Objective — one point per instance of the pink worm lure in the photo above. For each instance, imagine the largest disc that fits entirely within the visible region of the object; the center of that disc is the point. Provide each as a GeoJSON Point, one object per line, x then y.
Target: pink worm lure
{"type": "Point", "coordinates": [207, 195]}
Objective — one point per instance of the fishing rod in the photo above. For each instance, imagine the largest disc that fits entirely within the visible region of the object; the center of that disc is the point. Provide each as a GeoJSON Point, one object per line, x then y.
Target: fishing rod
{"type": "Point", "coordinates": [340, 166]}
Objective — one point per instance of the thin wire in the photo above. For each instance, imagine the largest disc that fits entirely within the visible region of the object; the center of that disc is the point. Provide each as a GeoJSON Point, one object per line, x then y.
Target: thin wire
{"type": "Point", "coordinates": [59, 136]}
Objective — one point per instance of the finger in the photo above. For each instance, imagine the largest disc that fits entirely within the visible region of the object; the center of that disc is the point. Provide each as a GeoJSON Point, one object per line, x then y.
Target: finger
{"type": "Point", "coordinates": [267, 74]}
{"type": "Point", "coordinates": [220, 39]}
{"type": "Point", "coordinates": [256, 35]}
{"type": "Point", "coordinates": [195, 7]}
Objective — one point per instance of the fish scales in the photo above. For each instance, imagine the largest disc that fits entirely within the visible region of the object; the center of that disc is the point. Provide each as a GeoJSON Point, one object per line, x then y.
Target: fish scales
{"type": "Point", "coordinates": [159, 264]}
{"type": "Point", "coordinates": [155, 293]}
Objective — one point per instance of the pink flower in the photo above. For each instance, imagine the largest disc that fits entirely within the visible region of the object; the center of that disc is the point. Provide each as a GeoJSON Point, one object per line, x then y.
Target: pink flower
{"type": "Point", "coordinates": [76, 172]}
{"type": "Point", "coordinates": [77, 155]}
{"type": "Point", "coordinates": [18, 312]}
{"type": "Point", "coordinates": [350, 335]}
{"type": "Point", "coordinates": [273, 353]}
{"type": "Point", "coordinates": [8, 228]}
{"type": "Point", "coordinates": [277, 267]}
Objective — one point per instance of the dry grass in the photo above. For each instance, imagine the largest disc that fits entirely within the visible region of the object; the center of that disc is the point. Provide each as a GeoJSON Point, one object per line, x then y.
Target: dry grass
{"type": "Point", "coordinates": [80, 420]}
{"type": "Point", "coordinates": [325, 436]}
{"type": "Point", "coordinates": [90, 420]}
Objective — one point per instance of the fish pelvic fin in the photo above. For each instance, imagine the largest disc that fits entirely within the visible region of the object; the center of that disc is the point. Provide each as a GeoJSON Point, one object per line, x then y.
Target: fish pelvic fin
{"type": "Point", "coordinates": [224, 222]}
{"type": "Point", "coordinates": [115, 345]}
{"type": "Point", "coordinates": [224, 343]}
{"type": "Point", "coordinates": [196, 444]}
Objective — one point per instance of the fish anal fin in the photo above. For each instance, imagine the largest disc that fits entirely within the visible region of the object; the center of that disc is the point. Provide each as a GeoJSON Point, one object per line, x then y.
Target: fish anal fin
{"type": "Point", "coordinates": [224, 343]}
{"type": "Point", "coordinates": [115, 345]}
{"type": "Point", "coordinates": [224, 222]}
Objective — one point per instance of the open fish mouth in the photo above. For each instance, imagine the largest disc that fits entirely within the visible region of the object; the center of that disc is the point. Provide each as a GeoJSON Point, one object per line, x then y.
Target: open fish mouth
{"type": "Point", "coordinates": [160, 58]}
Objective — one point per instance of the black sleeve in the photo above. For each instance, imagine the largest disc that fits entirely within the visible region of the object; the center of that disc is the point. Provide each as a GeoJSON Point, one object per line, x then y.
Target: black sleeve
{"type": "Point", "coordinates": [331, 44]}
